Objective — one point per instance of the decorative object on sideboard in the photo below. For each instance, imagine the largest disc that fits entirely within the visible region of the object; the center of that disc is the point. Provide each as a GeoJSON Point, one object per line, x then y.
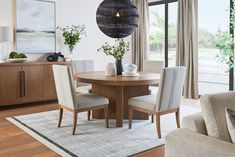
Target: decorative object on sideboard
{"type": "Point", "coordinates": [110, 69]}
{"type": "Point", "coordinates": [117, 51]}
{"type": "Point", "coordinates": [16, 57]}
{"type": "Point", "coordinates": [117, 18]}
{"type": "Point", "coordinates": [130, 70]}
{"type": "Point", "coordinates": [56, 57]}
{"type": "Point", "coordinates": [35, 26]}
{"type": "Point", "coordinates": [6, 36]}
{"type": "Point", "coordinates": [72, 36]}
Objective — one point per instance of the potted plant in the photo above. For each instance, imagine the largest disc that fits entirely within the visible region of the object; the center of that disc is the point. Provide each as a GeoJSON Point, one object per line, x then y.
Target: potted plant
{"type": "Point", "coordinates": [72, 36]}
{"type": "Point", "coordinates": [117, 51]}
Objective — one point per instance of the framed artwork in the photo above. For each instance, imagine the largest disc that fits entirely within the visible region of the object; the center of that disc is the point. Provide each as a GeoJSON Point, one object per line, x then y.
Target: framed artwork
{"type": "Point", "coordinates": [35, 26]}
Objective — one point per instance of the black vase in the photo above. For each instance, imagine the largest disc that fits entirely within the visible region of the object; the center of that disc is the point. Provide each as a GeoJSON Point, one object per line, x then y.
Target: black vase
{"type": "Point", "coordinates": [119, 66]}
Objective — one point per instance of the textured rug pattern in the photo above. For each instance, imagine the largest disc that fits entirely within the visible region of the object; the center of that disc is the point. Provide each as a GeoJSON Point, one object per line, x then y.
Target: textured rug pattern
{"type": "Point", "coordinates": [92, 139]}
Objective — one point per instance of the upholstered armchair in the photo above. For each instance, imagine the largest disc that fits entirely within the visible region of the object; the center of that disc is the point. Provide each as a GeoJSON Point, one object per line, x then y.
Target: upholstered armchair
{"type": "Point", "coordinates": [204, 134]}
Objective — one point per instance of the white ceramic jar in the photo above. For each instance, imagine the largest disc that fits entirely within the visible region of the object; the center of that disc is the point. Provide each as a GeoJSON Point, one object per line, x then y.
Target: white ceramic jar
{"type": "Point", "coordinates": [110, 69]}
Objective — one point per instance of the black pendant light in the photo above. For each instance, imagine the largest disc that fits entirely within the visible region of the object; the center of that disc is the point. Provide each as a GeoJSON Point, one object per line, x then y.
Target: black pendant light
{"type": "Point", "coordinates": [117, 18]}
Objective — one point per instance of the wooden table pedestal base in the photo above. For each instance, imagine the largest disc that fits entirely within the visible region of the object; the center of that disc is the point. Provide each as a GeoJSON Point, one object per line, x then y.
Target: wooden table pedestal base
{"type": "Point", "coordinates": [118, 101]}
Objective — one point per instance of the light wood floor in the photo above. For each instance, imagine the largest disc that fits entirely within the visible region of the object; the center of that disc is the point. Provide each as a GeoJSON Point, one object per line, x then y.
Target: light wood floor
{"type": "Point", "coordinates": [16, 143]}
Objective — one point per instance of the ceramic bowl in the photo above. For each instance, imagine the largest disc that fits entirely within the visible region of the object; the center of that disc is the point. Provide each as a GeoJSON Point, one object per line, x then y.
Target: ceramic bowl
{"type": "Point", "coordinates": [18, 60]}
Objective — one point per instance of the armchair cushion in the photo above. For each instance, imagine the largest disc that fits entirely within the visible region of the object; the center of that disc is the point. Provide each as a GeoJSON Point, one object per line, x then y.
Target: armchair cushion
{"type": "Point", "coordinates": [185, 143]}
{"type": "Point", "coordinates": [194, 123]}
{"type": "Point", "coordinates": [213, 111]}
{"type": "Point", "coordinates": [230, 118]}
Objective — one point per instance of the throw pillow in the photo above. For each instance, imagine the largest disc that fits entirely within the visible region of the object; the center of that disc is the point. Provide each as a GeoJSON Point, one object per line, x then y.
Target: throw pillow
{"type": "Point", "coordinates": [230, 118]}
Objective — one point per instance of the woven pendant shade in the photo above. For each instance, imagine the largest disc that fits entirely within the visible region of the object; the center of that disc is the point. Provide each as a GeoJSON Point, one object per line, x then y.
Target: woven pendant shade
{"type": "Point", "coordinates": [117, 18]}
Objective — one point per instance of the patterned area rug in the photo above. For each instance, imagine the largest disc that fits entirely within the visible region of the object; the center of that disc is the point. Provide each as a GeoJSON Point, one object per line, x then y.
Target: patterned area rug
{"type": "Point", "coordinates": [92, 139]}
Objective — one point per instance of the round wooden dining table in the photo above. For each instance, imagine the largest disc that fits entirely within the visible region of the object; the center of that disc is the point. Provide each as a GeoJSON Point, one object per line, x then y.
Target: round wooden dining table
{"type": "Point", "coordinates": [118, 89]}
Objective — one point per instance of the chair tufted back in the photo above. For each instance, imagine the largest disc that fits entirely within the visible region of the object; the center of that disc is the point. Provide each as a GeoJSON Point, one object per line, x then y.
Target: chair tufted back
{"type": "Point", "coordinates": [153, 66]}
{"type": "Point", "coordinates": [170, 88]}
{"type": "Point", "coordinates": [64, 85]}
{"type": "Point", "coordinates": [79, 66]}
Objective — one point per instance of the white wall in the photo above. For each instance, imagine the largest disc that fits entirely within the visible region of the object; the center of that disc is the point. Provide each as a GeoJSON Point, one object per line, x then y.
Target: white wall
{"type": "Point", "coordinates": [73, 12]}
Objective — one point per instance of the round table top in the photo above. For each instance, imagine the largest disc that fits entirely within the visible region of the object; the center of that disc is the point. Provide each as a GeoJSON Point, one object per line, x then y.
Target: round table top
{"type": "Point", "coordinates": [101, 79]}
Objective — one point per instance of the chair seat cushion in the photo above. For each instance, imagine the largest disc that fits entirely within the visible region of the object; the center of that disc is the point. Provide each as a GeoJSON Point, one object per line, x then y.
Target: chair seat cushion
{"type": "Point", "coordinates": [84, 89]}
{"type": "Point", "coordinates": [90, 100]}
{"type": "Point", "coordinates": [147, 102]}
{"type": "Point", "coordinates": [153, 90]}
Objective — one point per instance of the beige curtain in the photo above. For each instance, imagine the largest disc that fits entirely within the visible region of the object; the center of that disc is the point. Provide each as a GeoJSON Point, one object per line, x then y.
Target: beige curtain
{"type": "Point", "coordinates": [187, 48]}
{"type": "Point", "coordinates": [140, 37]}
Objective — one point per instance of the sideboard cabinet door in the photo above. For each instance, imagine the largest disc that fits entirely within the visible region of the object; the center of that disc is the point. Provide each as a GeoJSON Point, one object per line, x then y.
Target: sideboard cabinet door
{"type": "Point", "coordinates": [34, 81]}
{"type": "Point", "coordinates": [49, 84]}
{"type": "Point", "coordinates": [10, 80]}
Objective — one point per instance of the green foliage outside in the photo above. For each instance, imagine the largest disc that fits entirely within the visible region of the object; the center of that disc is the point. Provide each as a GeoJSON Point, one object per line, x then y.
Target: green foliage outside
{"type": "Point", "coordinates": [224, 42]}
{"type": "Point", "coordinates": [157, 37]}
{"type": "Point", "coordinates": [117, 51]}
{"type": "Point", "coordinates": [72, 35]}
{"type": "Point", "coordinates": [206, 39]}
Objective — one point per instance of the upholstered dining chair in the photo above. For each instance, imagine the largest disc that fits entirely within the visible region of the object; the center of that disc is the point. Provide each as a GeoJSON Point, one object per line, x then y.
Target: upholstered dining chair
{"type": "Point", "coordinates": [166, 101]}
{"type": "Point", "coordinates": [79, 66]}
{"type": "Point", "coordinates": [153, 66]}
{"type": "Point", "coordinates": [69, 101]}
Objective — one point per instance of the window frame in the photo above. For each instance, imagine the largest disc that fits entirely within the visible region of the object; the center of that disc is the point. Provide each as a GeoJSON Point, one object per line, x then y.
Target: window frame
{"type": "Point", "coordinates": [166, 3]}
{"type": "Point", "coordinates": [231, 31]}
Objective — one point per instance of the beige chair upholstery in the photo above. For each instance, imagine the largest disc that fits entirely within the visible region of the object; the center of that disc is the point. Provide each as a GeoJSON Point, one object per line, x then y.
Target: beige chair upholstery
{"type": "Point", "coordinates": [69, 100]}
{"type": "Point", "coordinates": [64, 86]}
{"type": "Point", "coordinates": [169, 92]}
{"type": "Point", "coordinates": [153, 66]}
{"type": "Point", "coordinates": [213, 111]}
{"type": "Point", "coordinates": [185, 143]}
{"type": "Point", "coordinates": [79, 66]}
{"type": "Point", "coordinates": [167, 99]}
{"type": "Point", "coordinates": [193, 140]}
{"type": "Point", "coordinates": [230, 119]}
{"type": "Point", "coordinates": [195, 123]}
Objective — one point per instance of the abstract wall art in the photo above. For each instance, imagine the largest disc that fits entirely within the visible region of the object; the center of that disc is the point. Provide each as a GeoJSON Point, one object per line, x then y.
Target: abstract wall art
{"type": "Point", "coordinates": [35, 26]}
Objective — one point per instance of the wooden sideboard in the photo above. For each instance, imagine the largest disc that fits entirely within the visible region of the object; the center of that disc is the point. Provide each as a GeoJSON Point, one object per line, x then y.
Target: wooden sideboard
{"type": "Point", "coordinates": [27, 82]}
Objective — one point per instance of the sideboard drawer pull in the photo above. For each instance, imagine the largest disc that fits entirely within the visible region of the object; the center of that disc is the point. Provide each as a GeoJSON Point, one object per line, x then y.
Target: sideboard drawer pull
{"type": "Point", "coordinates": [22, 83]}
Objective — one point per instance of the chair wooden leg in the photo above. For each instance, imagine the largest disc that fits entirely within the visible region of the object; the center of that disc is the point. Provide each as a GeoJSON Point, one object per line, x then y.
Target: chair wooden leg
{"type": "Point", "coordinates": [177, 116]}
{"type": "Point", "coordinates": [106, 113]}
{"type": "Point", "coordinates": [89, 115]}
{"type": "Point", "coordinates": [75, 115]}
{"type": "Point", "coordinates": [60, 116]}
{"type": "Point", "coordinates": [152, 116]}
{"type": "Point", "coordinates": [158, 125]}
{"type": "Point", "coordinates": [130, 116]}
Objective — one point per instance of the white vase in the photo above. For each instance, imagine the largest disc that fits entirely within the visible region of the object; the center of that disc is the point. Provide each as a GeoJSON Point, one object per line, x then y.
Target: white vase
{"type": "Point", "coordinates": [110, 69]}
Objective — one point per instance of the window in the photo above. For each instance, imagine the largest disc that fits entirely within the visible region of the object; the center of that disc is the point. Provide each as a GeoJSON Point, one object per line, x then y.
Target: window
{"type": "Point", "coordinates": [213, 76]}
{"type": "Point", "coordinates": [162, 28]}
{"type": "Point", "coordinates": [172, 26]}
{"type": "Point", "coordinates": [157, 32]}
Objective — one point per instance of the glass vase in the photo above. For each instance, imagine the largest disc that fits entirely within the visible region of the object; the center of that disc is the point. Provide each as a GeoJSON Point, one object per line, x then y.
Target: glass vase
{"type": "Point", "coordinates": [119, 66]}
{"type": "Point", "coordinates": [70, 56]}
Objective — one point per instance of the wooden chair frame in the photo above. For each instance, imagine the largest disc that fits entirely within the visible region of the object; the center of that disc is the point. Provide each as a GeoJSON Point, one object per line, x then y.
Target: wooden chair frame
{"type": "Point", "coordinates": [76, 111]}
{"type": "Point", "coordinates": [157, 114]}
